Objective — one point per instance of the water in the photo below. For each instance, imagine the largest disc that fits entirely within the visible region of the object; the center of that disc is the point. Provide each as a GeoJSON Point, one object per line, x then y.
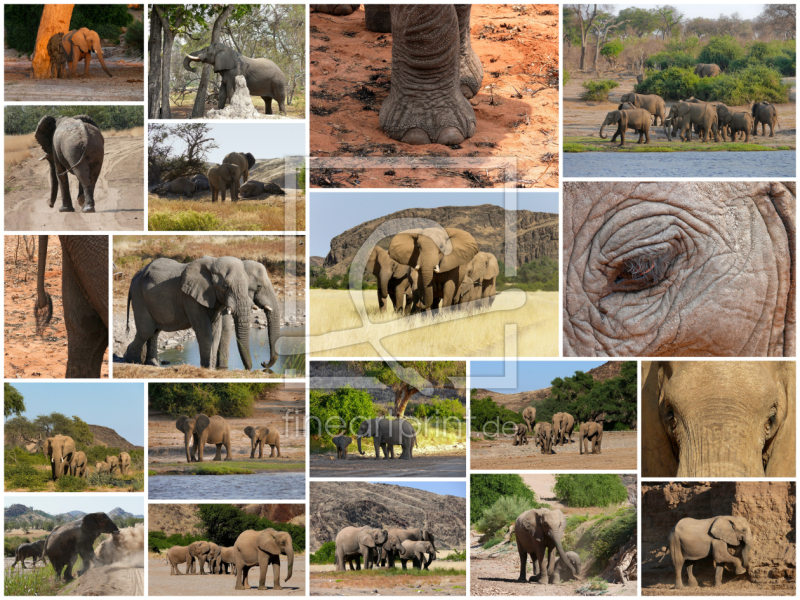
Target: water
{"type": "Point", "coordinates": [258, 487]}
{"type": "Point", "coordinates": [291, 343]}
{"type": "Point", "coordinates": [780, 163]}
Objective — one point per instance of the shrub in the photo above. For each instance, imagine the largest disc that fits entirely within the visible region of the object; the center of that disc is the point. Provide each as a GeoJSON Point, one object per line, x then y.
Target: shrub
{"type": "Point", "coordinates": [598, 90]}
{"type": "Point", "coordinates": [503, 513]}
{"type": "Point", "coordinates": [326, 555]}
{"type": "Point", "coordinates": [344, 408]}
{"type": "Point", "coordinates": [22, 25]}
{"type": "Point", "coordinates": [485, 490]}
{"type": "Point", "coordinates": [441, 408]}
{"type": "Point", "coordinates": [566, 77]}
{"type": "Point", "coordinates": [615, 535]}
{"type": "Point", "coordinates": [134, 36]}
{"type": "Point", "coordinates": [752, 84]}
{"type": "Point", "coordinates": [488, 416]}
{"type": "Point", "coordinates": [68, 483]}
{"type": "Point", "coordinates": [159, 541]}
{"type": "Point", "coordinates": [721, 51]}
{"type": "Point", "coordinates": [621, 427]}
{"type": "Point", "coordinates": [590, 490]}
{"type": "Point", "coordinates": [786, 64]}
{"type": "Point", "coordinates": [672, 84]}
{"type": "Point", "coordinates": [225, 399]}
{"type": "Point", "coordinates": [224, 523]}
{"type": "Point", "coordinates": [666, 60]}
{"type": "Point", "coordinates": [25, 477]}
{"type": "Point", "coordinates": [458, 555]}
{"type": "Point", "coordinates": [188, 220]}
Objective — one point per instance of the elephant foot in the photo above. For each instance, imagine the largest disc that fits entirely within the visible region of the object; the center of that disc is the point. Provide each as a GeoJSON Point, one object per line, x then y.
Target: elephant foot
{"type": "Point", "coordinates": [88, 209]}
{"type": "Point", "coordinates": [692, 583]}
{"type": "Point", "coordinates": [470, 68]}
{"type": "Point", "coordinates": [66, 209]}
{"type": "Point", "coordinates": [263, 587]}
{"type": "Point", "coordinates": [522, 579]}
{"type": "Point", "coordinates": [277, 587]}
{"type": "Point", "coordinates": [740, 570]}
{"type": "Point", "coordinates": [81, 200]}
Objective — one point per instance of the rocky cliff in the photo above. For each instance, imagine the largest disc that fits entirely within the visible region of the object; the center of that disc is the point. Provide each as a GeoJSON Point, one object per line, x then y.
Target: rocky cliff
{"type": "Point", "coordinates": [769, 507]}
{"type": "Point", "coordinates": [335, 506]}
{"type": "Point", "coordinates": [536, 233]}
{"type": "Point", "coordinates": [105, 436]}
{"type": "Point", "coordinates": [185, 518]}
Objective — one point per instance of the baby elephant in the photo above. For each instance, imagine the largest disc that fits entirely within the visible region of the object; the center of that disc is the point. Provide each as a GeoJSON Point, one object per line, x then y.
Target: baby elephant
{"type": "Point", "coordinates": [263, 435]}
{"type": "Point", "coordinates": [252, 189]}
{"type": "Point", "coordinates": [58, 60]}
{"type": "Point", "coordinates": [200, 183]}
{"type": "Point", "coordinates": [342, 442]}
{"type": "Point", "coordinates": [182, 186]}
{"type": "Point", "coordinates": [736, 122]}
{"type": "Point", "coordinates": [34, 550]}
{"type": "Point", "coordinates": [102, 467]}
{"type": "Point", "coordinates": [544, 437]}
{"type": "Point", "coordinates": [521, 435]}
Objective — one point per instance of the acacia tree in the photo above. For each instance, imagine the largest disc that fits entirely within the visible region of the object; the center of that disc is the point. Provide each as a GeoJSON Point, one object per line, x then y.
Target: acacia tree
{"type": "Point", "coordinates": [164, 164]}
{"type": "Point", "coordinates": [601, 27]}
{"type": "Point", "coordinates": [55, 19]}
{"type": "Point", "coordinates": [669, 18]}
{"type": "Point", "coordinates": [586, 15]}
{"type": "Point", "coordinates": [13, 402]}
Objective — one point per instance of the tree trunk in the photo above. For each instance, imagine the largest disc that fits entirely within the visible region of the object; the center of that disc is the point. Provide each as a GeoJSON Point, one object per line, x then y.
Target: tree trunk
{"type": "Point", "coordinates": [153, 77]}
{"type": "Point", "coordinates": [199, 108]}
{"type": "Point", "coordinates": [401, 400]}
{"type": "Point", "coordinates": [166, 50]}
{"type": "Point", "coordinates": [55, 19]}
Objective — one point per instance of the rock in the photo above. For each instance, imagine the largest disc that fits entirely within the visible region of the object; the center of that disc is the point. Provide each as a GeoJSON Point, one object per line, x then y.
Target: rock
{"type": "Point", "coordinates": [240, 106]}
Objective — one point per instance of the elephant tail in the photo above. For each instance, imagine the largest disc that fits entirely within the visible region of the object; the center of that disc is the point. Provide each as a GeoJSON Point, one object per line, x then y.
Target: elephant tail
{"type": "Point", "coordinates": [128, 322]}
{"type": "Point", "coordinates": [76, 164]}
{"type": "Point", "coordinates": [675, 548]}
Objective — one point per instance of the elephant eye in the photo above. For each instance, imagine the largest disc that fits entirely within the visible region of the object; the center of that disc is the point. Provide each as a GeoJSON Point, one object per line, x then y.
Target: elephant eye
{"type": "Point", "coordinates": [640, 272]}
{"type": "Point", "coordinates": [772, 419]}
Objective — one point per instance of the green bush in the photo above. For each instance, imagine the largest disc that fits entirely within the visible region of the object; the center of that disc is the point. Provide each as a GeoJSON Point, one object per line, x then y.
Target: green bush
{"type": "Point", "coordinates": [134, 36]}
{"type": "Point", "coordinates": [19, 120]}
{"type": "Point", "coordinates": [666, 60]}
{"type": "Point", "coordinates": [621, 427]}
{"type": "Point", "coordinates": [68, 483]}
{"type": "Point", "coordinates": [615, 535]}
{"type": "Point", "coordinates": [441, 408]}
{"type": "Point", "coordinates": [566, 77]}
{"type": "Point", "coordinates": [721, 51]}
{"type": "Point", "coordinates": [344, 408]}
{"type": "Point", "coordinates": [326, 555]}
{"type": "Point", "coordinates": [224, 523]}
{"type": "Point", "coordinates": [786, 64]}
{"type": "Point", "coordinates": [598, 90]}
{"type": "Point", "coordinates": [188, 220]}
{"type": "Point", "coordinates": [456, 556]}
{"type": "Point", "coordinates": [159, 541]}
{"type": "Point", "coordinates": [25, 477]}
{"type": "Point", "coordinates": [485, 490]}
{"type": "Point", "coordinates": [20, 456]}
{"type": "Point", "coordinates": [489, 417]}
{"type": "Point", "coordinates": [672, 84]}
{"type": "Point", "coordinates": [191, 399]}
{"type": "Point", "coordinates": [503, 513]}
{"type": "Point", "coordinates": [590, 490]}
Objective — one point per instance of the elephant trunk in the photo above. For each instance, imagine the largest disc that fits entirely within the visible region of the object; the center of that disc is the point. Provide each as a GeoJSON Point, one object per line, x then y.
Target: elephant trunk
{"type": "Point", "coordinates": [290, 557]}
{"type": "Point", "coordinates": [274, 327]}
{"type": "Point", "coordinates": [242, 324]}
{"type": "Point", "coordinates": [187, 62]}
{"type": "Point", "coordinates": [706, 451]}
{"type": "Point", "coordinates": [427, 286]}
{"type": "Point", "coordinates": [601, 130]}
{"type": "Point", "coordinates": [358, 439]}
{"type": "Point", "coordinates": [564, 557]}
{"type": "Point", "coordinates": [103, 62]}
{"type": "Point", "coordinates": [58, 461]}
{"type": "Point", "coordinates": [748, 539]}
{"type": "Point", "coordinates": [383, 284]}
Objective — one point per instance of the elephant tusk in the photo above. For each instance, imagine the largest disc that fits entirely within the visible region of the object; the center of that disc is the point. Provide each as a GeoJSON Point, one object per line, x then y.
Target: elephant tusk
{"type": "Point", "coordinates": [269, 308]}
{"type": "Point", "coordinates": [44, 157]}
{"type": "Point", "coordinates": [436, 269]}
{"type": "Point", "coordinates": [416, 268]}
{"type": "Point", "coordinates": [190, 57]}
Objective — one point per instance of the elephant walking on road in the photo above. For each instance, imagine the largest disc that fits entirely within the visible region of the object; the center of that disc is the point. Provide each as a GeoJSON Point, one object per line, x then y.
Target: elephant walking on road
{"type": "Point", "coordinates": [34, 550]}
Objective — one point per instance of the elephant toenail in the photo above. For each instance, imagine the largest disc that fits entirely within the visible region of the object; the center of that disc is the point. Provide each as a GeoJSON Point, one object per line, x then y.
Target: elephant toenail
{"type": "Point", "coordinates": [467, 91]}
{"type": "Point", "coordinates": [450, 136]}
{"type": "Point", "coordinates": [416, 136]}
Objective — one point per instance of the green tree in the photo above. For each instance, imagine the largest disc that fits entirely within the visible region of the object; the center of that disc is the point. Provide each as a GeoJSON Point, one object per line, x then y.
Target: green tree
{"type": "Point", "coordinates": [486, 489]}
{"type": "Point", "coordinates": [721, 51]}
{"type": "Point", "coordinates": [342, 409]}
{"type": "Point", "coordinates": [14, 403]}
{"type": "Point", "coordinates": [643, 22]}
{"type": "Point", "coordinates": [590, 490]}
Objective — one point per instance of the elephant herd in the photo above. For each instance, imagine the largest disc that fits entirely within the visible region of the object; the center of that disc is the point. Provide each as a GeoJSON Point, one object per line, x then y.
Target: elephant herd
{"type": "Point", "coordinates": [201, 430]}
{"type": "Point", "coordinates": [221, 178]}
{"type": "Point", "coordinates": [547, 435]}
{"type": "Point", "coordinates": [377, 546]}
{"type": "Point", "coordinates": [432, 267]}
{"type": "Point", "coordinates": [252, 548]}
{"type": "Point", "coordinates": [385, 434]}
{"type": "Point", "coordinates": [66, 49]}
{"type": "Point", "coordinates": [65, 459]}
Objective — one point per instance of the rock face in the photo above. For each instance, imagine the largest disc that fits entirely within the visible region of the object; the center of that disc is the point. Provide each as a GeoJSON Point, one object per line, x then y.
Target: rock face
{"type": "Point", "coordinates": [273, 170]}
{"type": "Point", "coordinates": [536, 234]}
{"type": "Point", "coordinates": [335, 506]}
{"type": "Point", "coordinates": [105, 436]}
{"type": "Point", "coordinates": [769, 507]}
{"type": "Point", "coordinates": [279, 513]}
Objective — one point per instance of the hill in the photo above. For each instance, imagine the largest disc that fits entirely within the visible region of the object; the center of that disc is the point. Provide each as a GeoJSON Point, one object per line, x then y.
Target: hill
{"type": "Point", "coordinates": [185, 518]}
{"type": "Point", "coordinates": [536, 233]}
{"type": "Point", "coordinates": [336, 505]}
{"type": "Point", "coordinates": [517, 402]}
{"type": "Point", "coordinates": [105, 436]}
{"type": "Point", "coordinates": [25, 514]}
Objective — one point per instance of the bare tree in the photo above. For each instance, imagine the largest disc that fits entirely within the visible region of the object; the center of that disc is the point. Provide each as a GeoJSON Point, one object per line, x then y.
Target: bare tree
{"type": "Point", "coordinates": [55, 19]}
{"type": "Point", "coordinates": [586, 14]}
{"type": "Point", "coordinates": [154, 70]}
{"type": "Point", "coordinates": [199, 108]}
{"type": "Point", "coordinates": [601, 27]}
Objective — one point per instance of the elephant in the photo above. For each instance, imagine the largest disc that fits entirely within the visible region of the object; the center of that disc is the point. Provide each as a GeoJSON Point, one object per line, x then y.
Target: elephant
{"type": "Point", "coordinates": [102, 467]}
{"type": "Point", "coordinates": [66, 542]}
{"type": "Point", "coordinates": [200, 431]}
{"type": "Point", "coordinates": [520, 435]}
{"type": "Point", "coordinates": [172, 296]}
{"type": "Point", "coordinates": [251, 189]}
{"type": "Point", "coordinates": [483, 270]}
{"type": "Point", "coordinates": [124, 463]}
{"type": "Point", "coordinates": [544, 437]}
{"type": "Point", "coordinates": [439, 255]}
{"type": "Point", "coordinates": [244, 160]}
{"type": "Point", "coordinates": [226, 561]}
{"type": "Point", "coordinates": [342, 442]}
{"type": "Point", "coordinates": [625, 106]}
{"type": "Point", "coordinates": [696, 539]}
{"type": "Point", "coordinates": [469, 294]}
{"type": "Point", "coordinates": [740, 121]}
{"type": "Point", "coordinates": [78, 45]}
{"type": "Point", "coordinates": [397, 536]}
{"type": "Point", "coordinates": [77, 466]}
{"type": "Point", "coordinates": [652, 103]}
{"type": "Point", "coordinates": [263, 77]}
{"type": "Point", "coordinates": [563, 424]}
{"type": "Point", "coordinates": [222, 177]}
{"type": "Point", "coordinates": [434, 68]}
{"type": "Point", "coordinates": [60, 449]}
{"type": "Point", "coordinates": [537, 531]}
{"type": "Point", "coordinates": [631, 289]}
{"type": "Point", "coordinates": [563, 569]}
{"type": "Point", "coordinates": [200, 182]}
{"type": "Point", "coordinates": [718, 419]}
{"type": "Point", "coordinates": [180, 555]}
{"type": "Point", "coordinates": [710, 70]}
{"type": "Point", "coordinates": [359, 542]}
{"type": "Point", "coordinates": [389, 551]}
{"type": "Point", "coordinates": [415, 552]}
{"type": "Point", "coordinates": [113, 464]}
{"type": "Point", "coordinates": [637, 119]}
{"type": "Point", "coordinates": [204, 552]}
{"type": "Point", "coordinates": [260, 436]}
{"type": "Point", "coordinates": [529, 416]}
{"type": "Point", "coordinates": [263, 548]}
{"type": "Point", "coordinates": [592, 431]}
{"type": "Point", "coordinates": [692, 114]}
{"type": "Point", "coordinates": [34, 550]}
{"type": "Point", "coordinates": [182, 186]}
{"type": "Point", "coordinates": [536, 429]}
{"type": "Point", "coordinates": [72, 145]}
{"type": "Point", "coordinates": [765, 114]}
{"type": "Point", "coordinates": [387, 434]}
{"type": "Point", "coordinates": [722, 113]}
{"type": "Point", "coordinates": [394, 279]}
{"type": "Point", "coordinates": [58, 59]}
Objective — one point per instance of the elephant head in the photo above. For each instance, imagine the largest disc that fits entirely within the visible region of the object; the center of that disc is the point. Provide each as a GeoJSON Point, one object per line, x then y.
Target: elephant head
{"type": "Point", "coordinates": [432, 250]}
{"type": "Point", "coordinates": [423, 548]}
{"type": "Point", "coordinates": [256, 433]}
{"type": "Point", "coordinates": [60, 450]}
{"type": "Point", "coordinates": [264, 296]}
{"type": "Point", "coordinates": [87, 41]}
{"type": "Point", "coordinates": [483, 266]}
{"type": "Point", "coordinates": [372, 538]}
{"type": "Point", "coordinates": [734, 531]}
{"type": "Point", "coordinates": [101, 467]}
{"type": "Point", "coordinates": [368, 428]}
{"type": "Point", "coordinates": [276, 543]}
{"type": "Point", "coordinates": [612, 118]}
{"type": "Point", "coordinates": [551, 524]}
{"type": "Point", "coordinates": [94, 524]}
{"type": "Point", "coordinates": [384, 267]}
{"type": "Point", "coordinates": [625, 106]}
{"type": "Point", "coordinates": [217, 55]}
{"type": "Point", "coordinates": [192, 430]}
{"type": "Point", "coordinates": [223, 284]}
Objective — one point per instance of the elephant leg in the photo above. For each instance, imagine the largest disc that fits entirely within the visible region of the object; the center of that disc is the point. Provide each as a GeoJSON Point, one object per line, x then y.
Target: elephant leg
{"type": "Point", "coordinates": [85, 188]}
{"type": "Point", "coordinates": [222, 98]}
{"type": "Point", "coordinates": [81, 194]}
{"type": "Point", "coordinates": [218, 455]}
{"type": "Point", "coordinates": [691, 581]}
{"type": "Point", "coordinates": [378, 446]}
{"type": "Point", "coordinates": [425, 104]}
{"type": "Point", "coordinates": [87, 59]}
{"type": "Point", "coordinates": [203, 331]}
{"type": "Point", "coordinates": [267, 104]}
{"type": "Point", "coordinates": [263, 566]}
{"type": "Point", "coordinates": [276, 572]}
{"type": "Point", "coordinates": [63, 185]}
{"type": "Point", "coordinates": [721, 555]}
{"type": "Point", "coordinates": [542, 566]}
{"type": "Point", "coordinates": [471, 70]}
{"type": "Point", "coordinates": [70, 564]}
{"type": "Point", "coordinates": [223, 352]}
{"type": "Point", "coordinates": [523, 559]}
{"type": "Point", "coordinates": [87, 334]}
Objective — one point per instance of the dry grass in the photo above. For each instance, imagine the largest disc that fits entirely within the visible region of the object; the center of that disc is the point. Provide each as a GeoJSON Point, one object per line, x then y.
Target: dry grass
{"type": "Point", "coordinates": [17, 148]}
{"type": "Point", "coordinates": [133, 131]}
{"type": "Point", "coordinates": [534, 313]}
{"type": "Point", "coordinates": [127, 371]}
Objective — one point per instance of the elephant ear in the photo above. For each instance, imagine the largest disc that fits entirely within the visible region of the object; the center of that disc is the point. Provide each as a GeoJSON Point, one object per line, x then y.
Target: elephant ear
{"type": "Point", "coordinates": [181, 422]}
{"type": "Point", "coordinates": [201, 423]}
{"type": "Point", "coordinates": [399, 271]}
{"type": "Point", "coordinates": [403, 247]}
{"type": "Point", "coordinates": [197, 282]}
{"type": "Point", "coordinates": [251, 160]}
{"type": "Point", "coordinates": [373, 260]}
{"type": "Point", "coordinates": [268, 543]}
{"type": "Point", "coordinates": [225, 60]}
{"type": "Point", "coordinates": [658, 455]}
{"type": "Point", "coordinates": [250, 432]}
{"type": "Point", "coordinates": [782, 458]}
{"type": "Point", "coordinates": [44, 133]}
{"type": "Point", "coordinates": [365, 539]}
{"type": "Point", "coordinates": [722, 529]}
{"type": "Point", "coordinates": [463, 249]}
{"type": "Point", "coordinates": [47, 447]}
{"type": "Point", "coordinates": [492, 268]}
{"type": "Point", "coordinates": [80, 40]}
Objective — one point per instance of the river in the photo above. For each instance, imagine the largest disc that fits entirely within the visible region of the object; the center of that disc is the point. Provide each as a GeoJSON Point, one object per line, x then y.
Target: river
{"type": "Point", "coordinates": [257, 487]}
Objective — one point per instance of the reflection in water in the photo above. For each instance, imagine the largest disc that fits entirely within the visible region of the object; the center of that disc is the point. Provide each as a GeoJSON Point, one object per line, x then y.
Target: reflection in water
{"type": "Point", "coordinates": [259, 486]}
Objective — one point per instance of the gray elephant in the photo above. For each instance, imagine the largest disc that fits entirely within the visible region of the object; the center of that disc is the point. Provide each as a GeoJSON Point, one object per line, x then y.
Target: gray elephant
{"type": "Point", "coordinates": [178, 555]}
{"type": "Point", "coordinates": [563, 570]}
{"type": "Point", "coordinates": [72, 145]}
{"type": "Point", "coordinates": [544, 437]}
{"type": "Point", "coordinates": [263, 435]}
{"type": "Point", "coordinates": [113, 463]}
{"type": "Point", "coordinates": [703, 116]}
{"type": "Point", "coordinates": [722, 113]}
{"type": "Point", "coordinates": [625, 106]}
{"type": "Point", "coordinates": [226, 561]}
{"type": "Point", "coordinates": [182, 186]}
{"type": "Point", "coordinates": [387, 434]}
{"type": "Point", "coordinates": [78, 45]}
{"type": "Point", "coordinates": [66, 542]}
{"type": "Point", "coordinates": [415, 552]}
{"type": "Point", "coordinates": [262, 548]}
{"type": "Point", "coordinates": [592, 432]}
{"type": "Point", "coordinates": [652, 103]}
{"type": "Point", "coordinates": [124, 463]}
{"type": "Point", "coordinates": [765, 114]}
{"type": "Point", "coordinates": [203, 552]}
{"type": "Point", "coordinates": [172, 296]}
{"type": "Point", "coordinates": [78, 466]}
{"type": "Point", "coordinates": [738, 122]}
{"type": "Point", "coordinates": [251, 189]}
{"type": "Point", "coordinates": [200, 182]}
{"type": "Point", "coordinates": [706, 70]}
{"type": "Point", "coordinates": [637, 119]}
{"type": "Point", "coordinates": [529, 416]}
{"type": "Point", "coordinates": [394, 279]}
{"type": "Point", "coordinates": [563, 425]}
{"type": "Point", "coordinates": [696, 539]}
{"type": "Point", "coordinates": [342, 442]}
{"type": "Point", "coordinates": [34, 550]}
{"type": "Point", "coordinates": [102, 467]}
{"type": "Point", "coordinates": [222, 178]}
{"type": "Point", "coordinates": [199, 431]}
{"type": "Point", "coordinates": [58, 59]}
{"type": "Point", "coordinates": [538, 532]}
{"type": "Point", "coordinates": [396, 538]}
{"type": "Point", "coordinates": [536, 430]}
{"type": "Point", "coordinates": [482, 271]}
{"type": "Point", "coordinates": [263, 77]}
{"type": "Point", "coordinates": [357, 543]}
{"type": "Point", "coordinates": [60, 450]}
{"type": "Point", "coordinates": [244, 160]}
{"type": "Point", "coordinates": [520, 434]}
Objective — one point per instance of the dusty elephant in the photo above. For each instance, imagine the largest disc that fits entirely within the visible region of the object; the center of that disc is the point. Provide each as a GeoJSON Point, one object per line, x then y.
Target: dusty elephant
{"type": "Point", "coordinates": [124, 463]}
{"type": "Point", "coordinates": [764, 114]}
{"type": "Point", "coordinates": [386, 434]}
{"type": "Point", "coordinates": [178, 555]}
{"type": "Point", "coordinates": [58, 59]}
{"type": "Point", "coordinates": [66, 542]}
{"type": "Point", "coordinates": [199, 431]}
{"type": "Point", "coordinates": [637, 119]}
{"type": "Point", "coordinates": [394, 279]}
{"type": "Point", "coordinates": [78, 466]}
{"type": "Point", "coordinates": [251, 189]}
{"type": "Point", "coordinates": [529, 416]}
{"type": "Point", "coordinates": [342, 442]}
{"type": "Point", "coordinates": [520, 435]}
{"type": "Point", "coordinates": [244, 160]}
{"type": "Point", "coordinates": [355, 543]}
{"type": "Point", "coordinates": [544, 437]}
{"type": "Point", "coordinates": [259, 436]}
{"type": "Point", "coordinates": [702, 116]}
{"type": "Point", "coordinates": [102, 467]}
{"type": "Point", "coordinates": [633, 290]}
{"type": "Point", "coordinates": [262, 548]}
{"type": "Point", "coordinates": [592, 432]}
{"type": "Point", "coordinates": [652, 103]}
{"type": "Point", "coordinates": [224, 177]}
{"type": "Point", "coordinates": [226, 561]}
{"type": "Point", "coordinates": [718, 419]}
{"type": "Point", "coordinates": [706, 70]}
{"type": "Point", "coordinates": [34, 550]}
{"type": "Point", "coordinates": [182, 186]}
{"type": "Point", "coordinates": [563, 425]}
{"type": "Point", "coordinates": [539, 532]}
{"type": "Point", "coordinates": [739, 122]}
{"type": "Point", "coordinates": [563, 570]}
{"type": "Point", "coordinates": [78, 45]}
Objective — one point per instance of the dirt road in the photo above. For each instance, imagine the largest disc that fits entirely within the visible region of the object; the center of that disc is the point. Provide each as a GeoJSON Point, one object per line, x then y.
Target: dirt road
{"type": "Point", "coordinates": [161, 583]}
{"type": "Point", "coordinates": [367, 584]}
{"type": "Point", "coordinates": [440, 463]}
{"type": "Point", "coordinates": [119, 194]}
{"type": "Point", "coordinates": [618, 454]}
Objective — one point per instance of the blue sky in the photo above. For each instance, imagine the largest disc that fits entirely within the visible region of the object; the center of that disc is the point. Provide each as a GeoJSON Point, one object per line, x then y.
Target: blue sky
{"type": "Point", "coordinates": [334, 212]}
{"type": "Point", "coordinates": [709, 11]}
{"type": "Point", "coordinates": [531, 374]}
{"type": "Point", "coordinates": [56, 505]}
{"type": "Point", "coordinates": [263, 140]}
{"type": "Point", "coordinates": [119, 406]}
{"type": "Point", "coordinates": [453, 488]}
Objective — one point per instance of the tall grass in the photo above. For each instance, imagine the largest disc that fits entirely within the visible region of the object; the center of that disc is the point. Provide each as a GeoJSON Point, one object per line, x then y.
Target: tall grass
{"type": "Point", "coordinates": [203, 215]}
{"type": "Point", "coordinates": [32, 582]}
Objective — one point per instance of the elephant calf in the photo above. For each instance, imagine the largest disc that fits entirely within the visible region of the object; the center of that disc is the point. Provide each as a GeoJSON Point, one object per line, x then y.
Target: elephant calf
{"type": "Point", "coordinates": [521, 435]}
{"type": "Point", "coordinates": [592, 431]}
{"type": "Point", "coordinates": [58, 60]}
{"type": "Point", "coordinates": [33, 550]}
{"type": "Point", "coordinates": [251, 189]}
{"type": "Point", "coordinates": [342, 442]}
{"type": "Point", "coordinates": [263, 435]}
{"type": "Point", "coordinates": [545, 437]}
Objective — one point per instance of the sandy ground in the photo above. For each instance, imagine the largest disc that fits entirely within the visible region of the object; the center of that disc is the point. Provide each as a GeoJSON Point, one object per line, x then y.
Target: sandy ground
{"type": "Point", "coordinates": [28, 355]}
{"type": "Point", "coordinates": [161, 583]}
{"type": "Point", "coordinates": [619, 454]}
{"type": "Point", "coordinates": [396, 585]}
{"type": "Point", "coordinates": [119, 194]}
{"type": "Point", "coordinates": [728, 588]}
{"type": "Point", "coordinates": [439, 461]}
{"type": "Point", "coordinates": [516, 111]}
{"type": "Point", "coordinates": [98, 581]}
